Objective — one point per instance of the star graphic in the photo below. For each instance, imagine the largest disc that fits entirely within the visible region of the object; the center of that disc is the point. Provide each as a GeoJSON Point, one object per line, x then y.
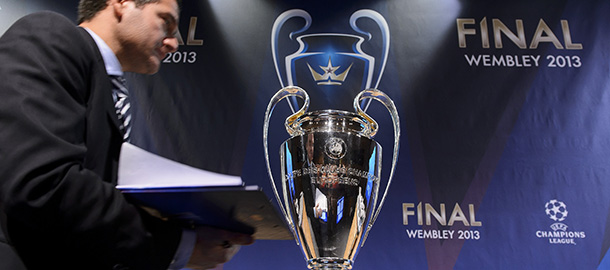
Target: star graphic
{"type": "Point", "coordinates": [329, 69]}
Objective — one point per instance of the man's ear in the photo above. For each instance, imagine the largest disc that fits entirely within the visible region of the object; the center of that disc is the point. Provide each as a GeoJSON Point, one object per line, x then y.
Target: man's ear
{"type": "Point", "coordinates": [120, 6]}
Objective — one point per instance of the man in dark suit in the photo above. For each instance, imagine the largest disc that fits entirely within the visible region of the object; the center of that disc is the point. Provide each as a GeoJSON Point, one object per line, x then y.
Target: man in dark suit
{"type": "Point", "coordinates": [60, 139]}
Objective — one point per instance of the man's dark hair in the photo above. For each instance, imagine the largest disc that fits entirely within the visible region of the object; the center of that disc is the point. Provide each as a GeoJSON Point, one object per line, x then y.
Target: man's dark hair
{"type": "Point", "coordinates": [87, 9]}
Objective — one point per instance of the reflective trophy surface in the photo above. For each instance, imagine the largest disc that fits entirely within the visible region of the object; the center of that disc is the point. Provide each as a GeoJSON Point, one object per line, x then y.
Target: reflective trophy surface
{"type": "Point", "coordinates": [331, 170]}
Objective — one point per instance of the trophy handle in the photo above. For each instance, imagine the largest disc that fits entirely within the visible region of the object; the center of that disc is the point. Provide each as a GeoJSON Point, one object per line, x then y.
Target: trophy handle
{"type": "Point", "coordinates": [293, 129]}
{"type": "Point", "coordinates": [389, 104]}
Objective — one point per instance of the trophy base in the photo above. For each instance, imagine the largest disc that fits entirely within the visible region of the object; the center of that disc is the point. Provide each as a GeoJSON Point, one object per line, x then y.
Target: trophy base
{"type": "Point", "coordinates": [329, 263]}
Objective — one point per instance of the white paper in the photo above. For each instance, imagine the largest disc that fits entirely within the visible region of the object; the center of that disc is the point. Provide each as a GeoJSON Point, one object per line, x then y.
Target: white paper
{"type": "Point", "coordinates": [139, 168]}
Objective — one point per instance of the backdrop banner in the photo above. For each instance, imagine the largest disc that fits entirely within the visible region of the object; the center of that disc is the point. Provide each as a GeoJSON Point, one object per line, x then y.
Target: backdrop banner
{"type": "Point", "coordinates": [504, 107]}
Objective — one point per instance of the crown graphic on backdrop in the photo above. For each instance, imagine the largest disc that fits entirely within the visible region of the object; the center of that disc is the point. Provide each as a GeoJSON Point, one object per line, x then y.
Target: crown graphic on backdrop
{"type": "Point", "coordinates": [329, 77]}
{"type": "Point", "coordinates": [329, 58]}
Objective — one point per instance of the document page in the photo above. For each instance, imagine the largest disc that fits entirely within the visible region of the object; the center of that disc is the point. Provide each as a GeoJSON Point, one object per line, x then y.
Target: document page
{"type": "Point", "coordinates": [140, 169]}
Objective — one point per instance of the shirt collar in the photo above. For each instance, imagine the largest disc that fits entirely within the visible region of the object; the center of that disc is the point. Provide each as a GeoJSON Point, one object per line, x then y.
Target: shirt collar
{"type": "Point", "coordinates": [113, 66]}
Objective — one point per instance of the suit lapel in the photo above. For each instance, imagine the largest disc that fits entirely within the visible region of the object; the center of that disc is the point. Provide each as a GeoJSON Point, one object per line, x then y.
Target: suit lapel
{"type": "Point", "coordinates": [103, 135]}
{"type": "Point", "coordinates": [102, 88]}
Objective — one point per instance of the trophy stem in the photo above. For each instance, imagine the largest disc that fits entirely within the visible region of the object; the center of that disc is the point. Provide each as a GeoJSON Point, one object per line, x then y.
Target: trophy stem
{"type": "Point", "coordinates": [329, 263]}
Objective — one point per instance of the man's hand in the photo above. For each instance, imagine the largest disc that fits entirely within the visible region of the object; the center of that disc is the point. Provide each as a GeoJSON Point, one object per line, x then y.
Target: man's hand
{"type": "Point", "coordinates": [215, 246]}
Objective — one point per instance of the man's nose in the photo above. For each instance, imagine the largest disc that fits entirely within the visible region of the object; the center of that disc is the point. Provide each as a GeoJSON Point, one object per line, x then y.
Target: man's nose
{"type": "Point", "coordinates": [171, 43]}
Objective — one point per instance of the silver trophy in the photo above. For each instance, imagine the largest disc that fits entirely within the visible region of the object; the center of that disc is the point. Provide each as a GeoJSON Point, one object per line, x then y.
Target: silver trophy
{"type": "Point", "coordinates": [331, 170]}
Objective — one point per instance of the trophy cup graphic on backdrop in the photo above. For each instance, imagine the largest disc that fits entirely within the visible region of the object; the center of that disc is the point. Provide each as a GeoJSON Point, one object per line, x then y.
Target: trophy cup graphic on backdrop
{"type": "Point", "coordinates": [330, 165]}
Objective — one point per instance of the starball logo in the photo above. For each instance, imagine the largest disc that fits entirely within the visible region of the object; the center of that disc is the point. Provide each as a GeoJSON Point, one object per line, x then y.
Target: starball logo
{"type": "Point", "coordinates": [557, 211]}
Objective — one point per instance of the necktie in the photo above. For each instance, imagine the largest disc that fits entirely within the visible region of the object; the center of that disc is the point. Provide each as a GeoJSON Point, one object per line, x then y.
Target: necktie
{"type": "Point", "coordinates": [120, 95]}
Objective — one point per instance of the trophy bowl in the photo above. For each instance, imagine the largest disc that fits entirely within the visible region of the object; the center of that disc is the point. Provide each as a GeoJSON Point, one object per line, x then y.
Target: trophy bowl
{"type": "Point", "coordinates": [331, 170]}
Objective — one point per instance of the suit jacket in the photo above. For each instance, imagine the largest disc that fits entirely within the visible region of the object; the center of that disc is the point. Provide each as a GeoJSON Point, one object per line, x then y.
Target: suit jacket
{"type": "Point", "coordinates": [59, 148]}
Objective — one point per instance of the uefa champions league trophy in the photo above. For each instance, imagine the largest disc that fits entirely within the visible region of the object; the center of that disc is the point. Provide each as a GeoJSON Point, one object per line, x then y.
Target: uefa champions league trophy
{"type": "Point", "coordinates": [331, 170]}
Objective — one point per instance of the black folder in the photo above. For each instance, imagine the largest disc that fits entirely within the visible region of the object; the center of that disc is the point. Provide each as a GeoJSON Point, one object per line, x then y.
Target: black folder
{"type": "Point", "coordinates": [243, 209]}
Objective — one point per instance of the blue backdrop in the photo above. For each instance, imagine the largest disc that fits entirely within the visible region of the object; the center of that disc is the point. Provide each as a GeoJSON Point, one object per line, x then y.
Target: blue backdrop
{"type": "Point", "coordinates": [505, 113]}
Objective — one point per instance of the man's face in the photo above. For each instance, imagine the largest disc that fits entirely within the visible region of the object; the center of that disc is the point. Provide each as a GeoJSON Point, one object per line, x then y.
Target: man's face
{"type": "Point", "coordinates": [146, 34]}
